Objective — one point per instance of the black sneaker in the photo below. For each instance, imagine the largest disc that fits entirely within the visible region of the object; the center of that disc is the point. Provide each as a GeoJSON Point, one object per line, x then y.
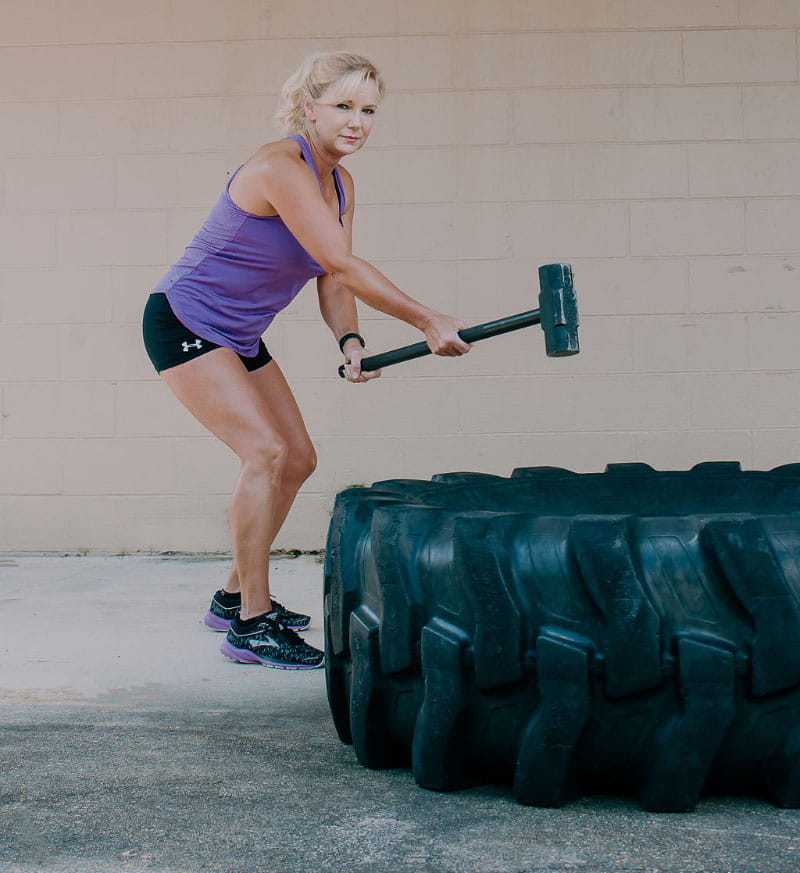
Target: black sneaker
{"type": "Point", "coordinates": [225, 606]}
{"type": "Point", "coordinates": [271, 643]}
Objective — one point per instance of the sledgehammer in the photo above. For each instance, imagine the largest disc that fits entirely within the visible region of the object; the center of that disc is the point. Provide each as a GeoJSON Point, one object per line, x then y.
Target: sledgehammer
{"type": "Point", "coordinates": [557, 314]}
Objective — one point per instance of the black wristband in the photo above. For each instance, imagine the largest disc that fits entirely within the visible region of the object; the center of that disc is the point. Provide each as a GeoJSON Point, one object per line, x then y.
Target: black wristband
{"type": "Point", "coordinates": [348, 336]}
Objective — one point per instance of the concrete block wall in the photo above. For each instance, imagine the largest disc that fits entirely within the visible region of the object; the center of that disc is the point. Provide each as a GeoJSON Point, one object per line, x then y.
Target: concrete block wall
{"type": "Point", "coordinates": [655, 146]}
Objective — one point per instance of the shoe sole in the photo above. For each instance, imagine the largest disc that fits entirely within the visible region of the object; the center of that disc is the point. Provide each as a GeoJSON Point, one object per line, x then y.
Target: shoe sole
{"type": "Point", "coordinates": [224, 624]}
{"type": "Point", "coordinates": [244, 656]}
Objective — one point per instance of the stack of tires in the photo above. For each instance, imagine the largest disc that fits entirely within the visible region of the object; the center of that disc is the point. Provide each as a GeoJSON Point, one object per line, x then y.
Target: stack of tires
{"type": "Point", "coordinates": [632, 631]}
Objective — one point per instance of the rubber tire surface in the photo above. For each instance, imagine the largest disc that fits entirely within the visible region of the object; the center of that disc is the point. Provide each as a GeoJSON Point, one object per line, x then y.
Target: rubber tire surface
{"type": "Point", "coordinates": [633, 631]}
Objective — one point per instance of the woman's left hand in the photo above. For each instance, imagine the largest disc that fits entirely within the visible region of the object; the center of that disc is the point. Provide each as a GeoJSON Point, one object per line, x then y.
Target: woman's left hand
{"type": "Point", "coordinates": [354, 354]}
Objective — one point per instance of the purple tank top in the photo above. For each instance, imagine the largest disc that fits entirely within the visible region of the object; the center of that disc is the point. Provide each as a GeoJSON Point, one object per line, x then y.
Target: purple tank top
{"type": "Point", "coordinates": [240, 271]}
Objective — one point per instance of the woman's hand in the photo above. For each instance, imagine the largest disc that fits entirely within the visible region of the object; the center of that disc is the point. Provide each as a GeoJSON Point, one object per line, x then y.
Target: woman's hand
{"type": "Point", "coordinates": [441, 333]}
{"type": "Point", "coordinates": [353, 354]}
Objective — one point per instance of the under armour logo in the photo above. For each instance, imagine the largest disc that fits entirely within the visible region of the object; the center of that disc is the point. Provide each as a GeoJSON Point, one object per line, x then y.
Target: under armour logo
{"type": "Point", "coordinates": [195, 345]}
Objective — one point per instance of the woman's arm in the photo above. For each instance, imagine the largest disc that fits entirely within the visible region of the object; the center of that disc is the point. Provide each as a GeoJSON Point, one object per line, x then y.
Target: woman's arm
{"type": "Point", "coordinates": [338, 307]}
{"type": "Point", "coordinates": [283, 180]}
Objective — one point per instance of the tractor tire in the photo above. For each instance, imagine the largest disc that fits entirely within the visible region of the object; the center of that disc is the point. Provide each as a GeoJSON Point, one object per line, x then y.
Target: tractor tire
{"type": "Point", "coordinates": [632, 632]}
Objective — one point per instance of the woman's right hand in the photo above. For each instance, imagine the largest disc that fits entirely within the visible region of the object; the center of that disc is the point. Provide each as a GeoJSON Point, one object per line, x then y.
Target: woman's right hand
{"type": "Point", "coordinates": [441, 333]}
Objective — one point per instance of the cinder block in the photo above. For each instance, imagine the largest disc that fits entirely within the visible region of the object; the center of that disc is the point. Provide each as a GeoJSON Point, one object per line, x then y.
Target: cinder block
{"type": "Point", "coordinates": [113, 127]}
{"type": "Point", "coordinates": [682, 13]}
{"type": "Point", "coordinates": [433, 68]}
{"type": "Point", "coordinates": [149, 409]}
{"type": "Point", "coordinates": [405, 176]}
{"type": "Point", "coordinates": [770, 13]}
{"type": "Point", "coordinates": [631, 286]}
{"type": "Point", "coordinates": [113, 237]}
{"type": "Point", "coordinates": [744, 400]}
{"type": "Point", "coordinates": [690, 344]}
{"type": "Point", "coordinates": [686, 113]}
{"type": "Point", "coordinates": [306, 526]}
{"type": "Point", "coordinates": [772, 341]}
{"type": "Point", "coordinates": [27, 240]}
{"type": "Point", "coordinates": [37, 524]}
{"type": "Point", "coordinates": [169, 70]}
{"type": "Point", "coordinates": [681, 450]}
{"type": "Point", "coordinates": [233, 20]}
{"type": "Point", "coordinates": [773, 448]}
{"type": "Point", "coordinates": [568, 230]}
{"type": "Point", "coordinates": [219, 123]}
{"type": "Point", "coordinates": [452, 118]}
{"type": "Point", "coordinates": [32, 22]}
{"type": "Point", "coordinates": [309, 350]}
{"type": "Point", "coordinates": [744, 284]}
{"type": "Point", "coordinates": [687, 227]}
{"type": "Point", "coordinates": [319, 18]}
{"type": "Point", "coordinates": [56, 295]}
{"type": "Point", "coordinates": [745, 169]}
{"type": "Point", "coordinates": [28, 353]}
{"type": "Point", "coordinates": [435, 283]}
{"type": "Point", "coordinates": [431, 232]}
{"type": "Point", "coordinates": [555, 404]}
{"type": "Point", "coordinates": [57, 72]}
{"type": "Point", "coordinates": [260, 66]}
{"type": "Point", "coordinates": [58, 184]}
{"type": "Point", "coordinates": [118, 466]}
{"type": "Point", "coordinates": [772, 226]}
{"type": "Point", "coordinates": [523, 60]}
{"type": "Point", "coordinates": [494, 288]}
{"type": "Point", "coordinates": [569, 115]}
{"type": "Point", "coordinates": [430, 408]}
{"type": "Point", "coordinates": [600, 171]}
{"type": "Point", "coordinates": [740, 56]}
{"type": "Point", "coordinates": [130, 288]}
{"type": "Point", "coordinates": [101, 352]}
{"type": "Point", "coordinates": [161, 181]}
{"type": "Point", "coordinates": [28, 128]}
{"type": "Point", "coordinates": [203, 466]}
{"type": "Point", "coordinates": [422, 16]}
{"type": "Point", "coordinates": [513, 15]}
{"type": "Point", "coordinates": [325, 403]}
{"type": "Point", "coordinates": [49, 410]}
{"type": "Point", "coordinates": [505, 174]}
{"type": "Point", "coordinates": [113, 23]}
{"type": "Point", "coordinates": [30, 467]}
{"type": "Point", "coordinates": [770, 111]}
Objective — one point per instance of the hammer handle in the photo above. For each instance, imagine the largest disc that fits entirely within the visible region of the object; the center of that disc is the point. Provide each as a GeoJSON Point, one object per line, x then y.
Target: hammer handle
{"type": "Point", "coordinates": [468, 334]}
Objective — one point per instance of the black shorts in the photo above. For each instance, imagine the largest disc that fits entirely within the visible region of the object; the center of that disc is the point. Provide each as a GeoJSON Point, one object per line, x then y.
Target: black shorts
{"type": "Point", "coordinates": [169, 342]}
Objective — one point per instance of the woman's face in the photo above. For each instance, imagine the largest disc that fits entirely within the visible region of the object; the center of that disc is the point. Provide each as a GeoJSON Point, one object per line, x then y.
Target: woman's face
{"type": "Point", "coordinates": [343, 123]}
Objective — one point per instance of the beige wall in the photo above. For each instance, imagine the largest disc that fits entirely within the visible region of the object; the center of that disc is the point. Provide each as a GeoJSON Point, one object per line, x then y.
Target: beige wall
{"type": "Point", "coordinates": [655, 145]}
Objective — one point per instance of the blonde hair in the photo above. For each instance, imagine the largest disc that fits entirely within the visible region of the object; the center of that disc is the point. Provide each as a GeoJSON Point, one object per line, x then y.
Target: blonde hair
{"type": "Point", "coordinates": [314, 76]}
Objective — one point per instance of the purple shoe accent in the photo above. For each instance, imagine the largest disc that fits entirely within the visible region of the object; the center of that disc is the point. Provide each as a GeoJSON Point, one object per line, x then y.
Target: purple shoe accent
{"type": "Point", "coordinates": [243, 656]}
{"type": "Point", "coordinates": [247, 656]}
{"type": "Point", "coordinates": [215, 622]}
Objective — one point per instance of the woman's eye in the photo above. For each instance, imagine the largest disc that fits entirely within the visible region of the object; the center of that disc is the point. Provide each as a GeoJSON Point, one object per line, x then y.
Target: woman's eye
{"type": "Point", "coordinates": [342, 106]}
{"type": "Point", "coordinates": [369, 111]}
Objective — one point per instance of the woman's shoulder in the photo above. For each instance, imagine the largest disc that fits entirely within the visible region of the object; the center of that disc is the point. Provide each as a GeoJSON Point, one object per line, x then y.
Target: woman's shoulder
{"type": "Point", "coordinates": [275, 152]}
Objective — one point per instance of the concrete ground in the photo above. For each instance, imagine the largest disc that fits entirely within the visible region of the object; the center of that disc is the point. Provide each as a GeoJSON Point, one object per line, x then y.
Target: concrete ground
{"type": "Point", "coordinates": [127, 743]}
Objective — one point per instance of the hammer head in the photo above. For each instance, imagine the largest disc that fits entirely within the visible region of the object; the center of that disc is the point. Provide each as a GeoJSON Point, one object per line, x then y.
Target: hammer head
{"type": "Point", "coordinates": [558, 307]}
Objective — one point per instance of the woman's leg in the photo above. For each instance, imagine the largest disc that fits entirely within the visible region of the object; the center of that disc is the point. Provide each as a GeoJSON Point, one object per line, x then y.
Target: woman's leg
{"type": "Point", "coordinates": [256, 416]}
{"type": "Point", "coordinates": [302, 460]}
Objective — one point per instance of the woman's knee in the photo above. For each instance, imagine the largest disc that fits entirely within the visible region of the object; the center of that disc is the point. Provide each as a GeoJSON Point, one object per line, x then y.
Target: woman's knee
{"type": "Point", "coordinates": [302, 463]}
{"type": "Point", "coordinates": [266, 458]}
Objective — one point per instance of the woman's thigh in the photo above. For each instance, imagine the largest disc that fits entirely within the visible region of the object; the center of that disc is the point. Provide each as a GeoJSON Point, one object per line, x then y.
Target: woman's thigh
{"type": "Point", "coordinates": [277, 396]}
{"type": "Point", "coordinates": [233, 404]}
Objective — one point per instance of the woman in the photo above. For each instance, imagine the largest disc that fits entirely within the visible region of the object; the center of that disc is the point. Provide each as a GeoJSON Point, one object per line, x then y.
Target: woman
{"type": "Point", "coordinates": [285, 217]}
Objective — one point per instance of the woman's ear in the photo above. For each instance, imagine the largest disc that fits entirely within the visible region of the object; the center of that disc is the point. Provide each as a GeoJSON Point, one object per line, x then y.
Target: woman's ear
{"type": "Point", "coordinates": [308, 107]}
